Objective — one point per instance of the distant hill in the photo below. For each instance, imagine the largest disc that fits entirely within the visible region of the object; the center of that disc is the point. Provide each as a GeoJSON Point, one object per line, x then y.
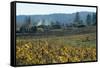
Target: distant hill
{"type": "Point", "coordinates": [59, 17]}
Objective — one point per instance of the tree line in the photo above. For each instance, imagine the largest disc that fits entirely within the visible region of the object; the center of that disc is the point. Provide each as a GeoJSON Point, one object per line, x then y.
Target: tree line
{"type": "Point", "coordinates": [90, 20]}
{"type": "Point", "coordinates": [29, 27]}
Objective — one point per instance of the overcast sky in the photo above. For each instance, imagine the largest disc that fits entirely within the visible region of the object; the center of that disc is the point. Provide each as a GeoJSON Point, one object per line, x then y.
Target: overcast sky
{"type": "Point", "coordinates": [37, 9]}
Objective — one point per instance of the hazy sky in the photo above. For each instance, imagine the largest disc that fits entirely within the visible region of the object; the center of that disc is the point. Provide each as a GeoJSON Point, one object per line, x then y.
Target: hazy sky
{"type": "Point", "coordinates": [34, 9]}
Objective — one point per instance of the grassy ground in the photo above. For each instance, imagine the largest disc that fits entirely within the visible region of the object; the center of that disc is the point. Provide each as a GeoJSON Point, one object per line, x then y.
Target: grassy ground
{"type": "Point", "coordinates": [73, 48]}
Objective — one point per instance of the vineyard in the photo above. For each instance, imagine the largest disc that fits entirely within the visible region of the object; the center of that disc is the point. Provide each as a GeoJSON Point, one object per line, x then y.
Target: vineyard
{"type": "Point", "coordinates": [74, 48]}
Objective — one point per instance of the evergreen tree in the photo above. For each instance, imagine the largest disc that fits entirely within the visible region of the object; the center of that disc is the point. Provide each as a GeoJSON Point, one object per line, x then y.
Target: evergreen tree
{"type": "Point", "coordinates": [77, 17]}
{"type": "Point", "coordinates": [88, 20]}
{"type": "Point", "coordinates": [94, 19]}
{"type": "Point", "coordinates": [77, 21]}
